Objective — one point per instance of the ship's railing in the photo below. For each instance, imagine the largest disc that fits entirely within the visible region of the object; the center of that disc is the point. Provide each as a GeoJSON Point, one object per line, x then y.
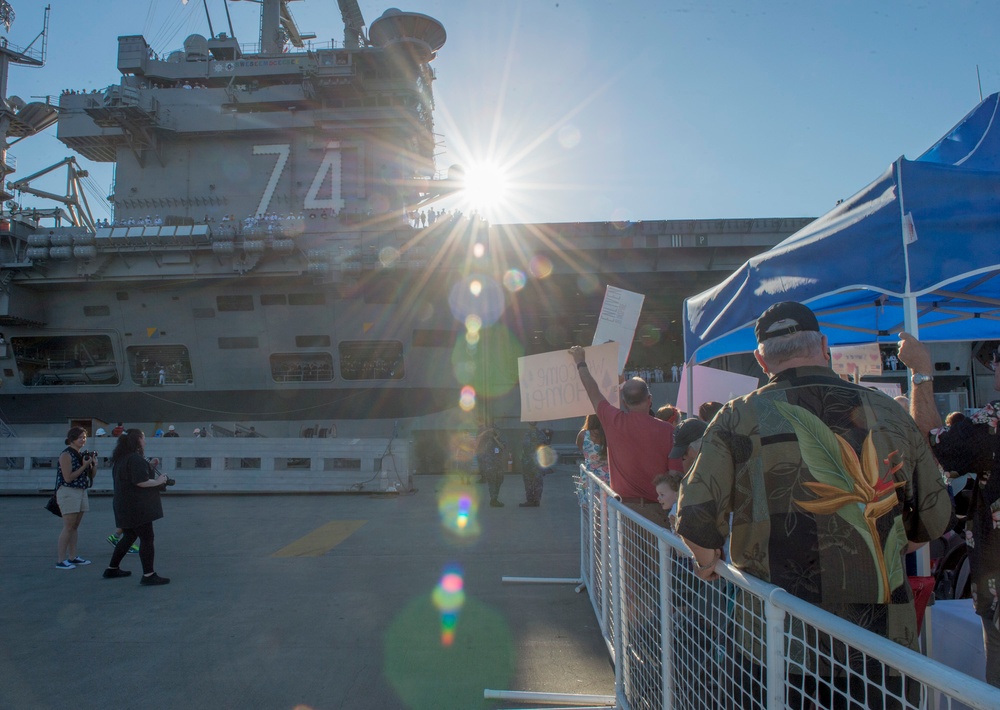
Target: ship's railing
{"type": "Point", "coordinates": [227, 465]}
{"type": "Point", "coordinates": [679, 642]}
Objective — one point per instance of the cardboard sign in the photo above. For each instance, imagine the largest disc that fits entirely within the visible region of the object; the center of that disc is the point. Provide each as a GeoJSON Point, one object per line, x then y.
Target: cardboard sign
{"type": "Point", "coordinates": [856, 360]}
{"type": "Point", "coordinates": [711, 385]}
{"type": "Point", "coordinates": [551, 388]}
{"type": "Point", "coordinates": [618, 320]}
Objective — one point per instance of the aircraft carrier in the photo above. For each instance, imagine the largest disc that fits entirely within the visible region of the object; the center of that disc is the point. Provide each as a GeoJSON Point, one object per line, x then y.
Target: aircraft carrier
{"type": "Point", "coordinates": [277, 259]}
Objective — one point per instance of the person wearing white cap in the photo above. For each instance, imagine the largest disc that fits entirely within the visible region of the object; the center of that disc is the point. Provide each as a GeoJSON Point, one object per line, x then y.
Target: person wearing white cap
{"type": "Point", "coordinates": [171, 432]}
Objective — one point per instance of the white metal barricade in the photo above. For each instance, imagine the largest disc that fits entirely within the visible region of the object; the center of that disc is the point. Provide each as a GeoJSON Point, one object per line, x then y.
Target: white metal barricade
{"type": "Point", "coordinates": [679, 642]}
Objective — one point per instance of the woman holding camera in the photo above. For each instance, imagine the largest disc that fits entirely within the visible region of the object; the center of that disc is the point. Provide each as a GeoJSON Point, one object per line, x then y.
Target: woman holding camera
{"type": "Point", "coordinates": [136, 504]}
{"type": "Point", "coordinates": [75, 476]}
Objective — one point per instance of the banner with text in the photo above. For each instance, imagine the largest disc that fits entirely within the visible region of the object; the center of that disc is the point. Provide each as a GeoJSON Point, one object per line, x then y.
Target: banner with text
{"type": "Point", "coordinates": [618, 320]}
{"type": "Point", "coordinates": [551, 387]}
{"type": "Point", "coordinates": [857, 360]}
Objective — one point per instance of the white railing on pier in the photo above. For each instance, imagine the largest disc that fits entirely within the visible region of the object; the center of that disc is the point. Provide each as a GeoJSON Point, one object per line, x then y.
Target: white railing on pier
{"type": "Point", "coordinates": [227, 465]}
{"type": "Point", "coordinates": [679, 642]}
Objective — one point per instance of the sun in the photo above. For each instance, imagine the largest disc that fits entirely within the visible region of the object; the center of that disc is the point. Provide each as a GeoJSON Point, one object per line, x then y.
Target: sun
{"type": "Point", "coordinates": [485, 187]}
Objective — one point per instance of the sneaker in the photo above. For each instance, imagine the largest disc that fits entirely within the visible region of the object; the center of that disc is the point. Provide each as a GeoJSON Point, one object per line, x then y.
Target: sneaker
{"type": "Point", "coordinates": [134, 549]}
{"type": "Point", "coordinates": [113, 539]}
{"type": "Point", "coordinates": [495, 503]}
{"type": "Point", "coordinates": [154, 579]}
{"type": "Point", "coordinates": [113, 572]}
{"type": "Point", "coordinates": [65, 564]}
{"type": "Point", "coordinates": [80, 561]}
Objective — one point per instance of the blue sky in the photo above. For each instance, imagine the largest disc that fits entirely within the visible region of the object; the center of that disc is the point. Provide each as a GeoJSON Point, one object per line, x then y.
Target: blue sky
{"type": "Point", "coordinates": [596, 111]}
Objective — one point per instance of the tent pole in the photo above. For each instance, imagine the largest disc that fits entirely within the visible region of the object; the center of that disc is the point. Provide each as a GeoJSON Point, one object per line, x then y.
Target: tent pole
{"type": "Point", "coordinates": [910, 321]}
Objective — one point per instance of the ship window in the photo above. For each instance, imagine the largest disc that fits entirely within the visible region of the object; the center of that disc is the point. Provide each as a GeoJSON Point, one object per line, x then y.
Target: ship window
{"type": "Point", "coordinates": [159, 365]}
{"type": "Point", "coordinates": [434, 338]}
{"type": "Point", "coordinates": [96, 311]}
{"type": "Point", "coordinates": [312, 341]}
{"type": "Point", "coordinates": [306, 299]}
{"type": "Point", "coordinates": [246, 343]}
{"type": "Point", "coordinates": [234, 303]}
{"type": "Point", "coordinates": [121, 295]}
{"type": "Point", "coordinates": [376, 360]}
{"type": "Point", "coordinates": [301, 367]}
{"type": "Point", "coordinates": [66, 360]}
{"type": "Point", "coordinates": [272, 299]}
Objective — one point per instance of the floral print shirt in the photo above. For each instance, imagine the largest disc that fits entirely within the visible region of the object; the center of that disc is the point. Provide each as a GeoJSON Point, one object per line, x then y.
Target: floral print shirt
{"type": "Point", "coordinates": [826, 482]}
{"type": "Point", "coordinates": [592, 457]}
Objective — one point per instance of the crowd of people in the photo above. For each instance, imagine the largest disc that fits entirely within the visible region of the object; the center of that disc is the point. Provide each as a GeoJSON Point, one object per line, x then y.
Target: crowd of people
{"type": "Point", "coordinates": [744, 482]}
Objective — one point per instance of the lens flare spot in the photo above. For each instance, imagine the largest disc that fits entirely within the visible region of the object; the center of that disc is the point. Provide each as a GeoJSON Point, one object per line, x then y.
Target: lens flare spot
{"type": "Point", "coordinates": [514, 280]}
{"type": "Point", "coordinates": [388, 256]}
{"type": "Point", "coordinates": [546, 457]}
{"type": "Point", "coordinates": [649, 335]}
{"type": "Point", "coordinates": [472, 338]}
{"type": "Point", "coordinates": [449, 597]}
{"type": "Point", "coordinates": [467, 399]}
{"type": "Point", "coordinates": [473, 323]}
{"type": "Point", "coordinates": [569, 136]}
{"type": "Point", "coordinates": [540, 266]}
{"type": "Point", "coordinates": [477, 295]}
{"type": "Point", "coordinates": [458, 509]}
{"type": "Point", "coordinates": [478, 249]}
{"type": "Point", "coordinates": [588, 283]}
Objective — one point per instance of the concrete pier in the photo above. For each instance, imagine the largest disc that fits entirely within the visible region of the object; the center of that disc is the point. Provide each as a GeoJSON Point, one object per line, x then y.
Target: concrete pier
{"type": "Point", "coordinates": [304, 601]}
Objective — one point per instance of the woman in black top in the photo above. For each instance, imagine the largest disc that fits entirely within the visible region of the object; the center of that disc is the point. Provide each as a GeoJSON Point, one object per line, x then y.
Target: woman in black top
{"type": "Point", "coordinates": [136, 504]}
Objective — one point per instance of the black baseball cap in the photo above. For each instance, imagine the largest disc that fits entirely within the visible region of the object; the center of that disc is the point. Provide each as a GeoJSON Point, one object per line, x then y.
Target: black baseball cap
{"type": "Point", "coordinates": [785, 318]}
{"type": "Point", "coordinates": [686, 433]}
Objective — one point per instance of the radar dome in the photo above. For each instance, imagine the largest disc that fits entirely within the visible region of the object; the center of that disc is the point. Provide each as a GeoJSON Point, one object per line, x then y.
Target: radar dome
{"type": "Point", "coordinates": [420, 36]}
{"type": "Point", "coordinates": [196, 48]}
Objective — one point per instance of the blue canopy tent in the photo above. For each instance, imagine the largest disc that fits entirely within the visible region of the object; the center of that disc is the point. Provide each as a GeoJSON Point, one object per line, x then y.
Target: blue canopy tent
{"type": "Point", "coordinates": [918, 250]}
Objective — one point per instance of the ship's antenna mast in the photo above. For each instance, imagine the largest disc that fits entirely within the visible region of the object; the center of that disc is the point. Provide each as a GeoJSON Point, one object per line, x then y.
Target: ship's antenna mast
{"type": "Point", "coordinates": [10, 54]}
{"type": "Point", "coordinates": [229, 19]}
{"type": "Point", "coordinates": [354, 24]}
{"type": "Point", "coordinates": [208, 17]}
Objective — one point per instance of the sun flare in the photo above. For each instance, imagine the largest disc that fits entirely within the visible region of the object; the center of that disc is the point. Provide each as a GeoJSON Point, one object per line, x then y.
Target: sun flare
{"type": "Point", "coordinates": [485, 187]}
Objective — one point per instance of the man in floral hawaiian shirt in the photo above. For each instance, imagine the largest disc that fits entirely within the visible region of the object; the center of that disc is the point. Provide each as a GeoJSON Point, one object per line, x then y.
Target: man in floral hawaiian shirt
{"type": "Point", "coordinates": [829, 485]}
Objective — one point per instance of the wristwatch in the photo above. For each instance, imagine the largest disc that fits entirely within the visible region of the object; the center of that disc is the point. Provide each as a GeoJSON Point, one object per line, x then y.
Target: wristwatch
{"type": "Point", "coordinates": [919, 378]}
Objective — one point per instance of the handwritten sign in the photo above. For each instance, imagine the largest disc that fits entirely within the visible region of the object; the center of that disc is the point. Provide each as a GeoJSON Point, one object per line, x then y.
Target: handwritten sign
{"type": "Point", "coordinates": [856, 360]}
{"type": "Point", "coordinates": [618, 320]}
{"type": "Point", "coordinates": [551, 388]}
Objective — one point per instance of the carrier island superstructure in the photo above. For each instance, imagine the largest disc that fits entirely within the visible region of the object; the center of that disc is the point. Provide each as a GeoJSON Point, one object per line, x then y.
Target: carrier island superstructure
{"type": "Point", "coordinates": [276, 259]}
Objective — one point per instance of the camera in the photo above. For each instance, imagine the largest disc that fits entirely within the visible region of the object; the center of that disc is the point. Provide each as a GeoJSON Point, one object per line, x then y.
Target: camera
{"type": "Point", "coordinates": [88, 455]}
{"type": "Point", "coordinates": [170, 481]}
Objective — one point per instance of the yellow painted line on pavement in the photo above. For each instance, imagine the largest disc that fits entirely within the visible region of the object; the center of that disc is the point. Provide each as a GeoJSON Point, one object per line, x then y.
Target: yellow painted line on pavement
{"type": "Point", "coordinates": [321, 540]}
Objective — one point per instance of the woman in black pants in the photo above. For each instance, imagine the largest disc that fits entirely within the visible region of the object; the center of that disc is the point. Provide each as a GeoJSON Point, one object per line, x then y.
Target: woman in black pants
{"type": "Point", "coordinates": [137, 505]}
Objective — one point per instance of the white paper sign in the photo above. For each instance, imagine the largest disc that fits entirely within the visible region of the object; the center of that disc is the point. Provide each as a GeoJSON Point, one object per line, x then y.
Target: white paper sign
{"type": "Point", "coordinates": [551, 388]}
{"type": "Point", "coordinates": [857, 360]}
{"type": "Point", "coordinates": [711, 385]}
{"type": "Point", "coordinates": [618, 320]}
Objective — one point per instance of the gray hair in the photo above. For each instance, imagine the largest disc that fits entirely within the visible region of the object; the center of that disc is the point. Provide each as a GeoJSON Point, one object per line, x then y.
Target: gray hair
{"type": "Point", "coordinates": [805, 343]}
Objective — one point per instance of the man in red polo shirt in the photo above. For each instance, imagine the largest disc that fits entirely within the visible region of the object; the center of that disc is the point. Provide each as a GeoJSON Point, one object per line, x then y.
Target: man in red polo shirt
{"type": "Point", "coordinates": [638, 444]}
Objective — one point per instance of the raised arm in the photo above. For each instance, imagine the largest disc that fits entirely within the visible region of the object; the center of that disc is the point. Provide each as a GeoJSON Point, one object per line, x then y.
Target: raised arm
{"type": "Point", "coordinates": [589, 383]}
{"type": "Point", "coordinates": [917, 357]}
